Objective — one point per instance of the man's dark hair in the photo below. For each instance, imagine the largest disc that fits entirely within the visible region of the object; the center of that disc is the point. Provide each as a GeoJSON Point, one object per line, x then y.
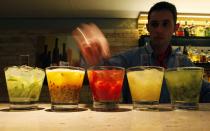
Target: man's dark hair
{"type": "Point", "coordinates": [164, 6]}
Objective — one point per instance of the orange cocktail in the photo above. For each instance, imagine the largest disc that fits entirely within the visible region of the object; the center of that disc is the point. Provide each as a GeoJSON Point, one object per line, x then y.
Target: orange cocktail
{"type": "Point", "coordinates": [64, 84]}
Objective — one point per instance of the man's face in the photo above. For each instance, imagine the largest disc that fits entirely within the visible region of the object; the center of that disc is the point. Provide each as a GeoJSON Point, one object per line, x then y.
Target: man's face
{"type": "Point", "coordinates": [161, 27]}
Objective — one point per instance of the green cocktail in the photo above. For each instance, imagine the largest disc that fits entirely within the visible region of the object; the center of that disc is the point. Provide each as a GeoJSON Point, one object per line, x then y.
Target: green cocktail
{"type": "Point", "coordinates": [24, 85]}
{"type": "Point", "coordinates": [184, 84]}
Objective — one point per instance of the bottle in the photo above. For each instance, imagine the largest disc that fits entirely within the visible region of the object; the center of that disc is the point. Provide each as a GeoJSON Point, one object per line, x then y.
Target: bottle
{"type": "Point", "coordinates": [55, 55]}
{"type": "Point", "coordinates": [49, 58]}
{"type": "Point", "coordinates": [43, 58]}
{"type": "Point", "coordinates": [200, 30]}
{"type": "Point", "coordinates": [180, 31]}
{"type": "Point", "coordinates": [189, 52]}
{"type": "Point", "coordinates": [69, 56]}
{"type": "Point", "coordinates": [208, 56]}
{"type": "Point", "coordinates": [185, 52]}
{"type": "Point", "coordinates": [192, 29]}
{"type": "Point", "coordinates": [64, 55]}
{"type": "Point", "coordinates": [186, 30]}
{"type": "Point", "coordinates": [202, 57]}
{"type": "Point", "coordinates": [179, 50]}
{"type": "Point", "coordinates": [195, 56]}
{"type": "Point", "coordinates": [207, 29]}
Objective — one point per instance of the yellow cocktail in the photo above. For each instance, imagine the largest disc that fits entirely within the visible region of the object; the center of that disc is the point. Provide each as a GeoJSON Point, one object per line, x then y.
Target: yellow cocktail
{"type": "Point", "coordinates": [145, 84]}
{"type": "Point", "coordinates": [64, 85]}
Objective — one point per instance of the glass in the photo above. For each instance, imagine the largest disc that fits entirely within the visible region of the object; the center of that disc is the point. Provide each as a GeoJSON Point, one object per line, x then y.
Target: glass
{"type": "Point", "coordinates": [24, 85]}
{"type": "Point", "coordinates": [65, 83]}
{"type": "Point", "coordinates": [106, 86]}
{"type": "Point", "coordinates": [203, 57]}
{"type": "Point", "coordinates": [145, 84]}
{"type": "Point", "coordinates": [195, 56]}
{"type": "Point", "coordinates": [92, 43]}
{"type": "Point", "coordinates": [184, 84]}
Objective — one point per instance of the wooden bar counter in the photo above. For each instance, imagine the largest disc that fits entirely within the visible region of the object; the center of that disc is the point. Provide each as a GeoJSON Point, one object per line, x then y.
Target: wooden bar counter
{"type": "Point", "coordinates": [85, 119]}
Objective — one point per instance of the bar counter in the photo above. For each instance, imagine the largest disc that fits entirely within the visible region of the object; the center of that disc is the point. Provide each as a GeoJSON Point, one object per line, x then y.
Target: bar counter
{"type": "Point", "coordinates": [86, 119]}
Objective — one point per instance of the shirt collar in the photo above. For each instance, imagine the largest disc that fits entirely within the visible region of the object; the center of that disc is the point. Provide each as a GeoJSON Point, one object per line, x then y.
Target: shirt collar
{"type": "Point", "coordinates": [150, 50]}
{"type": "Point", "coordinates": [161, 59]}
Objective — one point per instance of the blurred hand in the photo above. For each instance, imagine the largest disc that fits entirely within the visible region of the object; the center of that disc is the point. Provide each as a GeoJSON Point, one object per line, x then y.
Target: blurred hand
{"type": "Point", "coordinates": [92, 43]}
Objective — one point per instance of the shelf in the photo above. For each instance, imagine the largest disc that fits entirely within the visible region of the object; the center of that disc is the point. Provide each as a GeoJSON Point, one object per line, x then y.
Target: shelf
{"type": "Point", "coordinates": [193, 41]}
{"type": "Point", "coordinates": [181, 41]}
{"type": "Point", "coordinates": [204, 65]}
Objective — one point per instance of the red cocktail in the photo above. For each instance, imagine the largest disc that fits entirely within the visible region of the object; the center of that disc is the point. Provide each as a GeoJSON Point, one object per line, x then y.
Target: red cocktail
{"type": "Point", "coordinates": [106, 85]}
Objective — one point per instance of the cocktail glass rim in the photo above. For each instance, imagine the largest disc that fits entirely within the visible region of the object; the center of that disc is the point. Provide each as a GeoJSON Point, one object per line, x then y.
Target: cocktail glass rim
{"type": "Point", "coordinates": [143, 67]}
{"type": "Point", "coordinates": [185, 68]}
{"type": "Point", "coordinates": [106, 67]}
{"type": "Point", "coordinates": [20, 66]}
{"type": "Point", "coordinates": [66, 67]}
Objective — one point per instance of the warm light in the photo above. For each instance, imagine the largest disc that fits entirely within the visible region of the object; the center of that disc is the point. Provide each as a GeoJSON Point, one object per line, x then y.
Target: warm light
{"type": "Point", "coordinates": [185, 15]}
{"type": "Point", "coordinates": [195, 16]}
{"type": "Point", "coordinates": [195, 19]}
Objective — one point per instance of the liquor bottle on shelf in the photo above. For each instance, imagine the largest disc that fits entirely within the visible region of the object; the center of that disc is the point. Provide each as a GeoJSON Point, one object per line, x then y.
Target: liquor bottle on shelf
{"type": "Point", "coordinates": [43, 58]}
{"type": "Point", "coordinates": [186, 30]}
{"type": "Point", "coordinates": [49, 58]}
{"type": "Point", "coordinates": [189, 52]}
{"type": "Point", "coordinates": [207, 29]}
{"type": "Point", "coordinates": [208, 57]}
{"type": "Point", "coordinates": [195, 55]}
{"type": "Point", "coordinates": [64, 55]}
{"type": "Point", "coordinates": [55, 55]}
{"type": "Point", "coordinates": [192, 29]}
{"type": "Point", "coordinates": [179, 50]}
{"type": "Point", "coordinates": [203, 57]}
{"type": "Point", "coordinates": [180, 31]}
{"type": "Point", "coordinates": [69, 56]}
{"type": "Point", "coordinates": [200, 30]}
{"type": "Point", "coordinates": [185, 51]}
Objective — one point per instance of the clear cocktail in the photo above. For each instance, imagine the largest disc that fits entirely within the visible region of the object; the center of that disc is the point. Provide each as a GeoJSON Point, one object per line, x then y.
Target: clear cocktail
{"type": "Point", "coordinates": [24, 85]}
{"type": "Point", "coordinates": [106, 85]}
{"type": "Point", "coordinates": [184, 84]}
{"type": "Point", "coordinates": [145, 84]}
{"type": "Point", "coordinates": [64, 84]}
